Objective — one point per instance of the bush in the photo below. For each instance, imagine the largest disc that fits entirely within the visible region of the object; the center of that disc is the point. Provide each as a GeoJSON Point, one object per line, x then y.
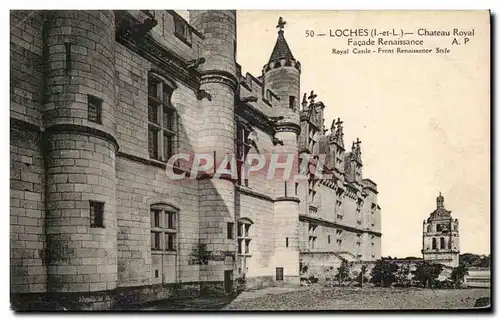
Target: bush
{"type": "Point", "coordinates": [445, 284]}
{"type": "Point", "coordinates": [383, 273]}
{"type": "Point", "coordinates": [313, 279]}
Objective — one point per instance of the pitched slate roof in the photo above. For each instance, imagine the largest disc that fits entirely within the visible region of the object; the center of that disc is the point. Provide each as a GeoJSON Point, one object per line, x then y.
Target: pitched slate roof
{"type": "Point", "coordinates": [281, 49]}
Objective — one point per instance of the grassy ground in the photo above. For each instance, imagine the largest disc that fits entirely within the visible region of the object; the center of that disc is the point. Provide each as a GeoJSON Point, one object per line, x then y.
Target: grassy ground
{"type": "Point", "coordinates": [335, 298]}
{"type": "Point", "coordinates": [331, 298]}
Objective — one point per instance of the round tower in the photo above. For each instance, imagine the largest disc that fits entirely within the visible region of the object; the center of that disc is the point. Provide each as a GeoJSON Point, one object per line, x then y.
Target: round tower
{"type": "Point", "coordinates": [80, 148]}
{"type": "Point", "coordinates": [282, 76]}
{"type": "Point", "coordinates": [216, 136]}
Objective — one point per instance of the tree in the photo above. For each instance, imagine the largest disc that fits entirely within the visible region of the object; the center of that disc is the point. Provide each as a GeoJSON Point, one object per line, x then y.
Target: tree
{"type": "Point", "coordinates": [361, 278]}
{"type": "Point", "coordinates": [427, 273]}
{"type": "Point", "coordinates": [458, 274]}
{"type": "Point", "coordinates": [343, 272]}
{"type": "Point", "coordinates": [383, 273]}
{"type": "Point", "coordinates": [402, 274]}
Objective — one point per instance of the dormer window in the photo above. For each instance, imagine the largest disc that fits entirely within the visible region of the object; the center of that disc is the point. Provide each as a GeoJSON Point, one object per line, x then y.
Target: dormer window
{"type": "Point", "coordinates": [182, 30]}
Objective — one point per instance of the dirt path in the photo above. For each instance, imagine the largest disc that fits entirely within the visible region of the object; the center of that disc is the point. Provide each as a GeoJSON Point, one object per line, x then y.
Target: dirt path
{"type": "Point", "coordinates": [318, 298]}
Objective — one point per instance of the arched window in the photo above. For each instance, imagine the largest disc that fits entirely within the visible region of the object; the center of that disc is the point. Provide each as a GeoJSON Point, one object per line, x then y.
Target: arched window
{"type": "Point", "coordinates": [163, 227]}
{"type": "Point", "coordinates": [244, 236]}
{"type": "Point", "coordinates": [162, 118]}
{"type": "Point", "coordinates": [434, 245]}
{"type": "Point", "coordinates": [429, 228]}
{"type": "Point", "coordinates": [442, 243]}
{"type": "Point", "coordinates": [449, 244]}
{"type": "Point", "coordinates": [438, 228]}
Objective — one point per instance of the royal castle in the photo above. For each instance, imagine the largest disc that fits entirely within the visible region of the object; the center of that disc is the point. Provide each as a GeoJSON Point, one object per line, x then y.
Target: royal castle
{"type": "Point", "coordinates": [100, 100]}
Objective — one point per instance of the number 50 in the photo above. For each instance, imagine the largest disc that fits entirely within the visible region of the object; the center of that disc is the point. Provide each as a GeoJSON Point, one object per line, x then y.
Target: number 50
{"type": "Point", "coordinates": [309, 33]}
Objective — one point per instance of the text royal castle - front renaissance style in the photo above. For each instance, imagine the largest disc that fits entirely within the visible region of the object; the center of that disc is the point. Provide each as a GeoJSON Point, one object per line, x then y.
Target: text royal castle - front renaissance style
{"type": "Point", "coordinates": [100, 100]}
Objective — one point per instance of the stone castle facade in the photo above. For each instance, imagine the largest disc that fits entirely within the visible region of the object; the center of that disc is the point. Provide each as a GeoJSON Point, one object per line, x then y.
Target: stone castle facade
{"type": "Point", "coordinates": [100, 100]}
{"type": "Point", "coordinates": [440, 236]}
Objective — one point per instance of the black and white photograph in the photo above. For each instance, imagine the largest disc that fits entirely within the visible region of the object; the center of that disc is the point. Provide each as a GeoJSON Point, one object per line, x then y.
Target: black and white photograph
{"type": "Point", "coordinates": [250, 160]}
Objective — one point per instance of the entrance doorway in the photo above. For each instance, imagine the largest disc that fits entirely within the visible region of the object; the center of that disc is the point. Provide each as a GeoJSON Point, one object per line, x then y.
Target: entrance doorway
{"type": "Point", "coordinates": [279, 274]}
{"type": "Point", "coordinates": [228, 281]}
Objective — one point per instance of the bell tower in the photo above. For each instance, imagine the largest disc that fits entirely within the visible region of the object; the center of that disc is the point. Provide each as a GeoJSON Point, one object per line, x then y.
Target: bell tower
{"type": "Point", "coordinates": [440, 240]}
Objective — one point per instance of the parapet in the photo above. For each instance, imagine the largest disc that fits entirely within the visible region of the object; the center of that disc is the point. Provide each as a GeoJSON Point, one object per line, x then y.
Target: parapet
{"type": "Point", "coordinates": [264, 100]}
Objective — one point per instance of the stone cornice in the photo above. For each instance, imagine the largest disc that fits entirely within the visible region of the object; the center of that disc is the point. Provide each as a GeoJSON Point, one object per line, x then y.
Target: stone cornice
{"type": "Point", "coordinates": [288, 127]}
{"type": "Point", "coordinates": [303, 217]}
{"type": "Point", "coordinates": [76, 128]}
{"type": "Point", "coordinates": [292, 199]}
{"type": "Point", "coordinates": [22, 124]}
{"type": "Point", "coordinates": [218, 76]}
{"type": "Point", "coordinates": [250, 192]}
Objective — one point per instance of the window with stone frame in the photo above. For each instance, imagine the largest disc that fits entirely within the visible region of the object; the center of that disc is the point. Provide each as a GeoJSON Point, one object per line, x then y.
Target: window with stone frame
{"type": "Point", "coordinates": [312, 236]}
{"type": "Point", "coordinates": [339, 244]}
{"type": "Point", "coordinates": [162, 119]}
{"type": "Point", "coordinates": [291, 102]}
{"type": "Point", "coordinates": [244, 237]}
{"type": "Point", "coordinates": [312, 192]}
{"type": "Point", "coordinates": [94, 109]}
{"type": "Point", "coordinates": [96, 214]}
{"type": "Point", "coordinates": [182, 30]}
{"type": "Point", "coordinates": [243, 146]}
{"type": "Point", "coordinates": [434, 243]}
{"type": "Point", "coordinates": [163, 227]}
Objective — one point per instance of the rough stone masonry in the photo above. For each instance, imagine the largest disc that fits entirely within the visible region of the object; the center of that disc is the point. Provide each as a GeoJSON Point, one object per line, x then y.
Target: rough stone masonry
{"type": "Point", "coordinates": [100, 100]}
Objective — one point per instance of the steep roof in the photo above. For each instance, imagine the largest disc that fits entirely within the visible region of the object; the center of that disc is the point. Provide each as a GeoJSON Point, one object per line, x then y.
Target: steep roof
{"type": "Point", "coordinates": [281, 49]}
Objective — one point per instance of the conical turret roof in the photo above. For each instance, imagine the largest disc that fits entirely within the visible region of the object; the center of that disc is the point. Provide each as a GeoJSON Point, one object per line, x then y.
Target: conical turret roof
{"type": "Point", "coordinates": [281, 49]}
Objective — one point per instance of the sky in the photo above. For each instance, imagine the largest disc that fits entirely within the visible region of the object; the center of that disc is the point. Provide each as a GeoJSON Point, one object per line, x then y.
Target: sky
{"type": "Point", "coordinates": [423, 119]}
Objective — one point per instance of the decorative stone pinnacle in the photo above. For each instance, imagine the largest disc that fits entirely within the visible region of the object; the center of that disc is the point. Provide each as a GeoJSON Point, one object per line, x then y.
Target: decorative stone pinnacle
{"type": "Point", "coordinates": [358, 142]}
{"type": "Point", "coordinates": [281, 24]}
{"type": "Point", "coordinates": [312, 96]}
{"type": "Point", "coordinates": [339, 123]}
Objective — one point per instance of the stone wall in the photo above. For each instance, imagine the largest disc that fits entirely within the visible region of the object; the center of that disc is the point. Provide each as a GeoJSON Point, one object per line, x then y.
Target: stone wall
{"type": "Point", "coordinates": [27, 197]}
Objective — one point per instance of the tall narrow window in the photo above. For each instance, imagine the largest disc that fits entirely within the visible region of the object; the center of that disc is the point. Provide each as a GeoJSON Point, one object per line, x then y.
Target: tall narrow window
{"type": "Point", "coordinates": [67, 47]}
{"type": "Point", "coordinates": [244, 237]}
{"type": "Point", "coordinates": [230, 228]}
{"type": "Point", "coordinates": [312, 236]}
{"type": "Point", "coordinates": [94, 108]}
{"type": "Point", "coordinates": [96, 214]}
{"type": "Point", "coordinates": [328, 238]}
{"type": "Point", "coordinates": [162, 120]}
{"type": "Point", "coordinates": [442, 243]}
{"type": "Point", "coordinates": [242, 148]}
{"type": "Point", "coordinates": [434, 243]}
{"type": "Point", "coordinates": [286, 242]}
{"type": "Point", "coordinates": [291, 102]}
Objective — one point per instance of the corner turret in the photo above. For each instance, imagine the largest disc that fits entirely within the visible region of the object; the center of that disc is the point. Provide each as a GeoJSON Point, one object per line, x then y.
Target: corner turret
{"type": "Point", "coordinates": [282, 75]}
